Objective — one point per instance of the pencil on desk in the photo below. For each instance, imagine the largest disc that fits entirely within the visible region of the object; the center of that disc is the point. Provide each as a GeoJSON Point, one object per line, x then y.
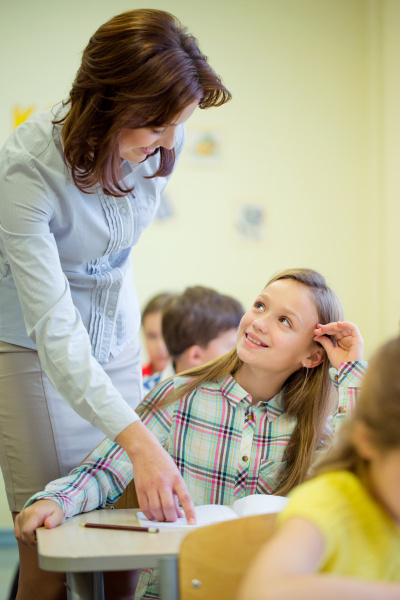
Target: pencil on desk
{"type": "Point", "coordinates": [121, 527]}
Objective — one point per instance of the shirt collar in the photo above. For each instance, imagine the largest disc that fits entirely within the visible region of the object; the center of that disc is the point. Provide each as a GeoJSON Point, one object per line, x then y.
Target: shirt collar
{"type": "Point", "coordinates": [232, 391]}
{"type": "Point", "coordinates": [235, 394]}
{"type": "Point", "coordinates": [274, 407]}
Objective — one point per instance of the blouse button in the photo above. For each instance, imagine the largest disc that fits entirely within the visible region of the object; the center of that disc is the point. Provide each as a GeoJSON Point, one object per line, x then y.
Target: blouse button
{"type": "Point", "coordinates": [245, 458]}
{"type": "Point", "coordinates": [341, 409]}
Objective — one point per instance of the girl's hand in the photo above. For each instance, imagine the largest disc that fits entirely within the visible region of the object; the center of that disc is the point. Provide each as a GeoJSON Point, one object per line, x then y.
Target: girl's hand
{"type": "Point", "coordinates": [350, 344]}
{"type": "Point", "coordinates": [43, 512]}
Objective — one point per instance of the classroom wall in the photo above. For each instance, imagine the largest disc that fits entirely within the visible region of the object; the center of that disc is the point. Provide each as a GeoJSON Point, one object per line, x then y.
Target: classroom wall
{"type": "Point", "coordinates": [390, 203]}
{"type": "Point", "coordinates": [311, 137]}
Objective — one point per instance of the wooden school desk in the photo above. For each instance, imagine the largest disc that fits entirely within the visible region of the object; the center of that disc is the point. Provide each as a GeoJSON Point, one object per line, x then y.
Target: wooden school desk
{"type": "Point", "coordinates": [85, 553]}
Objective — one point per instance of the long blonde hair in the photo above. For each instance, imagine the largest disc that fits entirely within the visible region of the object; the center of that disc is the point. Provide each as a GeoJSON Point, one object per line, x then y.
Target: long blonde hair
{"type": "Point", "coordinates": [378, 407]}
{"type": "Point", "coordinates": [307, 391]}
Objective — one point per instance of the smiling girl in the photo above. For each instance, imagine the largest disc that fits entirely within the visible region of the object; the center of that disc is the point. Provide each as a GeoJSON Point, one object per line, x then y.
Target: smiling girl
{"type": "Point", "coordinates": [250, 422]}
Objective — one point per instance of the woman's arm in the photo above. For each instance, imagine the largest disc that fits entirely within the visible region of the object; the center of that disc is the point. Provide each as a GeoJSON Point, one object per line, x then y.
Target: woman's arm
{"type": "Point", "coordinates": [104, 474]}
{"type": "Point", "coordinates": [160, 485]}
{"type": "Point", "coordinates": [286, 569]}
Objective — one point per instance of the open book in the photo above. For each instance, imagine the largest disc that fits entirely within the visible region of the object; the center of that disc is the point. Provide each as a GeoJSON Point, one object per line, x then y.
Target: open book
{"type": "Point", "coordinates": [255, 504]}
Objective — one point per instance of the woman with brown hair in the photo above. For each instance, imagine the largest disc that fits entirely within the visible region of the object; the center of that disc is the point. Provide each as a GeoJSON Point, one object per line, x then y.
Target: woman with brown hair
{"type": "Point", "coordinates": [78, 185]}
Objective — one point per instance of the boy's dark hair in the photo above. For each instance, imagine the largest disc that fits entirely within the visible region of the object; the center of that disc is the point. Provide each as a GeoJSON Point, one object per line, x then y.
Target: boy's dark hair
{"type": "Point", "coordinates": [157, 303]}
{"type": "Point", "coordinates": [198, 316]}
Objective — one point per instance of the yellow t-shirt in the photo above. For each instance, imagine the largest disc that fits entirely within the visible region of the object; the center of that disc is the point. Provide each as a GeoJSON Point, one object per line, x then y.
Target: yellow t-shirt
{"type": "Point", "coordinates": [361, 540]}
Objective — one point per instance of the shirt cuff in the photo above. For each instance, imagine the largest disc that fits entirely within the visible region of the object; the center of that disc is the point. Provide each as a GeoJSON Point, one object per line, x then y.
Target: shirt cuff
{"type": "Point", "coordinates": [349, 374]}
{"type": "Point", "coordinates": [66, 505]}
{"type": "Point", "coordinates": [114, 418]}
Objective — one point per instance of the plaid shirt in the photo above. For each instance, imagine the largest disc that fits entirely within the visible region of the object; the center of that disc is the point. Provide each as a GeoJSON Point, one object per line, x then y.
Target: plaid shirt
{"type": "Point", "coordinates": [225, 447]}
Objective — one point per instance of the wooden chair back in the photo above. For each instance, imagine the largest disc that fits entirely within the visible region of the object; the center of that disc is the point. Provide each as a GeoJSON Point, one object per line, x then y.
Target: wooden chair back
{"type": "Point", "coordinates": [128, 498]}
{"type": "Point", "coordinates": [213, 559]}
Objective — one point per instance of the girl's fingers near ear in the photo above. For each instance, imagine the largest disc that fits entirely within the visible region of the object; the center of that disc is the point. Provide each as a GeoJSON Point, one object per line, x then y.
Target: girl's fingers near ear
{"type": "Point", "coordinates": [325, 342]}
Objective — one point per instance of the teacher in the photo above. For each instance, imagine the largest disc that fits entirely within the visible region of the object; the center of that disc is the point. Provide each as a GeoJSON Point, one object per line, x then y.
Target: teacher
{"type": "Point", "coordinates": [78, 185]}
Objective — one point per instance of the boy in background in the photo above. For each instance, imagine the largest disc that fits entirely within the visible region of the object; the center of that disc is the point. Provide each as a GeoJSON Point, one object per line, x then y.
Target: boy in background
{"type": "Point", "coordinates": [198, 325]}
{"type": "Point", "coordinates": [152, 333]}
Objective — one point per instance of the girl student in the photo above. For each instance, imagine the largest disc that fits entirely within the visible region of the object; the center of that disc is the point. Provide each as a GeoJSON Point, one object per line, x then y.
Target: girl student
{"type": "Point", "coordinates": [248, 422]}
{"type": "Point", "coordinates": [339, 535]}
{"type": "Point", "coordinates": [78, 185]}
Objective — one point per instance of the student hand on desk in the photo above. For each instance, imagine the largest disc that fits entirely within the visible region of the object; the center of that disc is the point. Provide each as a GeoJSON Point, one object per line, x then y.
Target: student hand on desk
{"type": "Point", "coordinates": [42, 512]}
{"type": "Point", "coordinates": [159, 485]}
{"type": "Point", "coordinates": [350, 344]}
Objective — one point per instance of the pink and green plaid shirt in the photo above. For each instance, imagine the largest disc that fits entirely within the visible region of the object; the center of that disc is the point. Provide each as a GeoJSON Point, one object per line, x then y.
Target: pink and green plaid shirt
{"type": "Point", "coordinates": [225, 447]}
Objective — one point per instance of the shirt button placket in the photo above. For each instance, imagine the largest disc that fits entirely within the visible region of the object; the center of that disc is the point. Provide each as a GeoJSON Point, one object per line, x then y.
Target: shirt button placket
{"type": "Point", "coordinates": [247, 437]}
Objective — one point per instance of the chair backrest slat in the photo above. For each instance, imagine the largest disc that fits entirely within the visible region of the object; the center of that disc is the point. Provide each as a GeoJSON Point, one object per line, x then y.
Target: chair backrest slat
{"type": "Point", "coordinates": [213, 559]}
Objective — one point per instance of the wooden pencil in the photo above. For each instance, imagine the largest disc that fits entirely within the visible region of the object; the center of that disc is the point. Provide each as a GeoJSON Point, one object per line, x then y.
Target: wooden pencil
{"type": "Point", "coordinates": [121, 527]}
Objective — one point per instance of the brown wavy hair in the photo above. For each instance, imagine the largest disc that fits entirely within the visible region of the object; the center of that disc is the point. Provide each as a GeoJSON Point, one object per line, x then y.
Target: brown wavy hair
{"type": "Point", "coordinates": [140, 69]}
{"type": "Point", "coordinates": [308, 393]}
{"type": "Point", "coordinates": [378, 407]}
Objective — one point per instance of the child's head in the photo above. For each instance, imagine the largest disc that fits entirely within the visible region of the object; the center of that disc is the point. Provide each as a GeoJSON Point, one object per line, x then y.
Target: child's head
{"type": "Point", "coordinates": [200, 325]}
{"type": "Point", "coordinates": [369, 444]}
{"type": "Point", "coordinates": [276, 334]}
{"type": "Point", "coordinates": [285, 316]}
{"type": "Point", "coordinates": [152, 330]}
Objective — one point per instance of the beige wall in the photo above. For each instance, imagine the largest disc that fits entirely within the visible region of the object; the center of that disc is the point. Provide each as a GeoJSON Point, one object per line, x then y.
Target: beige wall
{"type": "Point", "coordinates": [312, 134]}
{"type": "Point", "coordinates": [390, 201]}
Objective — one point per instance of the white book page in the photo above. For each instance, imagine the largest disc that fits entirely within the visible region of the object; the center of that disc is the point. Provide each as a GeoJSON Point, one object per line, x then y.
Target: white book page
{"type": "Point", "coordinates": [259, 504]}
{"type": "Point", "coordinates": [205, 515]}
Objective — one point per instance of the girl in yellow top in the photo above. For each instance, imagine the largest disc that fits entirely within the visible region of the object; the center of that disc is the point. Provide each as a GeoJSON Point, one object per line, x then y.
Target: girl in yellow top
{"type": "Point", "coordinates": [339, 536]}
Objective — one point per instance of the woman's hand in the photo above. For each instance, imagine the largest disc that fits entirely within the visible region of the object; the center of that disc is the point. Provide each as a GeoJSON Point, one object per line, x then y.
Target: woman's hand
{"type": "Point", "coordinates": [159, 484]}
{"type": "Point", "coordinates": [350, 344]}
{"type": "Point", "coordinates": [43, 512]}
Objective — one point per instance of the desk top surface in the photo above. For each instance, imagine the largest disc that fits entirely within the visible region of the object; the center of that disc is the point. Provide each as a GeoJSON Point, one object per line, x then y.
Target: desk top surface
{"type": "Point", "coordinates": [73, 548]}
